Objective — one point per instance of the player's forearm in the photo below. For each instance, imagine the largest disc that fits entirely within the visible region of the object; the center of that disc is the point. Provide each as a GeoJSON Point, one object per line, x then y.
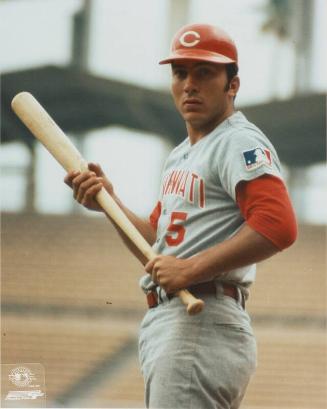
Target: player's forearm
{"type": "Point", "coordinates": [142, 226]}
{"type": "Point", "coordinates": [245, 248]}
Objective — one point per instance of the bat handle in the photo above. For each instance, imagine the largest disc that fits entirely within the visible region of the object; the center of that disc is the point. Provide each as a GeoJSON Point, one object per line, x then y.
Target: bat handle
{"type": "Point", "coordinates": [193, 305]}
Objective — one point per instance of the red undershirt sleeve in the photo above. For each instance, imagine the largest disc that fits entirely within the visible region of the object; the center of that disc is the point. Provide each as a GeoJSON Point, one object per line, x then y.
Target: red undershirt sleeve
{"type": "Point", "coordinates": [267, 209]}
{"type": "Point", "coordinates": [154, 216]}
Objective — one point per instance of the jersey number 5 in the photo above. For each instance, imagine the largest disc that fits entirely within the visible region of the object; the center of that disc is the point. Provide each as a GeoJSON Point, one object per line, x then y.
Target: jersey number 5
{"type": "Point", "coordinates": [176, 232]}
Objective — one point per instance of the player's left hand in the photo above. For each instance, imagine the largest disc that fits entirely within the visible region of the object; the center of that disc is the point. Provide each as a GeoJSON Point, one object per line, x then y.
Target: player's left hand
{"type": "Point", "coordinates": [171, 273]}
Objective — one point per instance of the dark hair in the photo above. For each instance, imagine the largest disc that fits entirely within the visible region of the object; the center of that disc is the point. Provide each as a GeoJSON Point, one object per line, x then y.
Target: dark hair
{"type": "Point", "coordinates": [231, 71]}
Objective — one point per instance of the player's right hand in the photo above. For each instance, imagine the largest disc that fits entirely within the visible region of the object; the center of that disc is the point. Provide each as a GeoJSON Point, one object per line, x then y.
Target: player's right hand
{"type": "Point", "coordinates": [87, 184]}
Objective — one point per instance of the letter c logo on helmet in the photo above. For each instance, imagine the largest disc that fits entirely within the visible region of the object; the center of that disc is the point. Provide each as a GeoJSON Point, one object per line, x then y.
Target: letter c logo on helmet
{"type": "Point", "coordinates": [194, 35]}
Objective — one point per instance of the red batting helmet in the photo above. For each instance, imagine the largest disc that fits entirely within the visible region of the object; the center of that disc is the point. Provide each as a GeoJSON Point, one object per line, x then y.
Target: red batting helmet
{"type": "Point", "coordinates": [202, 42]}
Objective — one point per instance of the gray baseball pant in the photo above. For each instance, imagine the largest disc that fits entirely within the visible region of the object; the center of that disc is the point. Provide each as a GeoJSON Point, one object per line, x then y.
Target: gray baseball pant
{"type": "Point", "coordinates": [196, 362]}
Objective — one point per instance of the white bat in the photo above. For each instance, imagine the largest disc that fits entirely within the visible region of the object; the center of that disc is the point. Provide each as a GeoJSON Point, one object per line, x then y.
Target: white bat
{"type": "Point", "coordinates": [43, 127]}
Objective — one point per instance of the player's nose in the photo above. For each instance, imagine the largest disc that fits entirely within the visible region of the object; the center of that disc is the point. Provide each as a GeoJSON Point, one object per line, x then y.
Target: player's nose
{"type": "Point", "coordinates": [190, 84]}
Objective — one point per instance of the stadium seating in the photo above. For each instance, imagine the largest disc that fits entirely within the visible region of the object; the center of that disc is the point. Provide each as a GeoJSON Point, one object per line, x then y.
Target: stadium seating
{"type": "Point", "coordinates": [293, 283]}
{"type": "Point", "coordinates": [291, 371]}
{"type": "Point", "coordinates": [68, 261]}
{"type": "Point", "coordinates": [67, 348]}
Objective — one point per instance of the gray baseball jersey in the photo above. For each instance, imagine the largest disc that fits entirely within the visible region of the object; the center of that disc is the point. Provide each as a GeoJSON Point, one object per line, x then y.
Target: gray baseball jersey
{"type": "Point", "coordinates": [198, 203]}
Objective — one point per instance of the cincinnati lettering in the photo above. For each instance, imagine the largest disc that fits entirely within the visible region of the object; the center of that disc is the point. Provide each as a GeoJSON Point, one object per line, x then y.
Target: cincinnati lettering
{"type": "Point", "coordinates": [186, 184]}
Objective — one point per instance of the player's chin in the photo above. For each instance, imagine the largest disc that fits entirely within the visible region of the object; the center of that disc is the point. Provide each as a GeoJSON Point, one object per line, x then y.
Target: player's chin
{"type": "Point", "coordinates": [196, 120]}
{"type": "Point", "coordinates": [192, 115]}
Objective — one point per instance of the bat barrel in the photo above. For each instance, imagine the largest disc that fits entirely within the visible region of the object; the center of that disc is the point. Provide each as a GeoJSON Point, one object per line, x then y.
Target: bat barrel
{"type": "Point", "coordinates": [44, 128]}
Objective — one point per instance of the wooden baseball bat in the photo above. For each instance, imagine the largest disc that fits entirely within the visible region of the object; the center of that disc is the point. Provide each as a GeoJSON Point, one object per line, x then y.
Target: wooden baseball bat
{"type": "Point", "coordinates": [43, 127]}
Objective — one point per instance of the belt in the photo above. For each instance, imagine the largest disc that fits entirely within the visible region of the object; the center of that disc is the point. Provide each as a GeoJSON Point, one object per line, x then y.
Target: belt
{"type": "Point", "coordinates": [200, 290]}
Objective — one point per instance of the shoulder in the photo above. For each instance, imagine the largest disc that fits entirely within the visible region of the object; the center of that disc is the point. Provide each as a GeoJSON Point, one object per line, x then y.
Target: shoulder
{"type": "Point", "coordinates": [243, 136]}
{"type": "Point", "coordinates": [180, 148]}
{"type": "Point", "coordinates": [176, 153]}
{"type": "Point", "coordinates": [245, 153]}
{"type": "Point", "coordinates": [243, 130]}
{"type": "Point", "coordinates": [237, 133]}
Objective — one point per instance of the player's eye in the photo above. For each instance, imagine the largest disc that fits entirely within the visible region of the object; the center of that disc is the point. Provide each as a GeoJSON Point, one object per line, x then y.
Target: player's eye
{"type": "Point", "coordinates": [180, 73]}
{"type": "Point", "coordinates": [204, 71]}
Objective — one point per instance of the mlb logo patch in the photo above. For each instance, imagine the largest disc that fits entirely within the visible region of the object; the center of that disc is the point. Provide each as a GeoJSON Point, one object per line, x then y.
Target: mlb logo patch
{"type": "Point", "coordinates": [257, 157]}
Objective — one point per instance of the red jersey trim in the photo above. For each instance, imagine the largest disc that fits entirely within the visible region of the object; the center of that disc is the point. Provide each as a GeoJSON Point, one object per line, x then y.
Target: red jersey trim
{"type": "Point", "coordinates": [266, 207]}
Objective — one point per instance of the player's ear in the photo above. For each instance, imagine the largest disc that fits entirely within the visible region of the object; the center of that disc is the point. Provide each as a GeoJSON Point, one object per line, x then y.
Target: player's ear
{"type": "Point", "coordinates": [234, 86]}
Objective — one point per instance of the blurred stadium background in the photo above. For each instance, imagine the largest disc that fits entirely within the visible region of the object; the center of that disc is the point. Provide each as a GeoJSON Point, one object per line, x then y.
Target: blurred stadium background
{"type": "Point", "coordinates": [70, 296]}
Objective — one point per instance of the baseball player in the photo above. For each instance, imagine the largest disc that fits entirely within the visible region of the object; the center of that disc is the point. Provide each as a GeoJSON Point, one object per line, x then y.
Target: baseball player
{"type": "Point", "coordinates": [222, 207]}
